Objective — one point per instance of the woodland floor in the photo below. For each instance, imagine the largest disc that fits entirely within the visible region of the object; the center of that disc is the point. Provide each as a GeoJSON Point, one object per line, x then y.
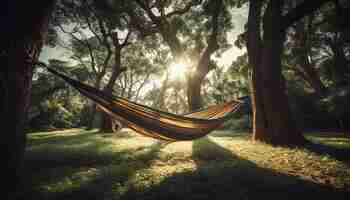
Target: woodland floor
{"type": "Point", "coordinates": [79, 164]}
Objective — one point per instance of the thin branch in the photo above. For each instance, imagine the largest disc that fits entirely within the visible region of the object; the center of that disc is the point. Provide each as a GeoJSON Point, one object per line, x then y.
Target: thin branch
{"type": "Point", "coordinates": [88, 22]}
{"type": "Point", "coordinates": [145, 80]}
{"type": "Point", "coordinates": [126, 40]}
{"type": "Point", "coordinates": [84, 43]}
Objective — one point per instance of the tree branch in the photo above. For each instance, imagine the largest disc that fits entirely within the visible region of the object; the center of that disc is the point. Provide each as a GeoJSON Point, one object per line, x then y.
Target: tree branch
{"type": "Point", "coordinates": [88, 22]}
{"type": "Point", "coordinates": [84, 43]}
{"type": "Point", "coordinates": [183, 10]}
{"type": "Point", "coordinates": [139, 24]}
{"type": "Point", "coordinates": [148, 10]}
{"type": "Point", "coordinates": [213, 45]}
{"type": "Point", "coordinates": [126, 40]}
{"type": "Point", "coordinates": [300, 11]}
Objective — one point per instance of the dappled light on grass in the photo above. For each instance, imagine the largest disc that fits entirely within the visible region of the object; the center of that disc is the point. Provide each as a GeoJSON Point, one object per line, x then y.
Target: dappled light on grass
{"type": "Point", "coordinates": [332, 139]}
{"type": "Point", "coordinates": [91, 165]}
{"type": "Point", "coordinates": [85, 170]}
{"type": "Point", "coordinates": [318, 168]}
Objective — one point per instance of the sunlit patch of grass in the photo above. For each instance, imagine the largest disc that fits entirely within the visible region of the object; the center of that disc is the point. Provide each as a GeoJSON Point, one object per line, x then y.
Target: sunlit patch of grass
{"type": "Point", "coordinates": [89, 165]}
{"type": "Point", "coordinates": [300, 162]}
{"type": "Point", "coordinates": [337, 140]}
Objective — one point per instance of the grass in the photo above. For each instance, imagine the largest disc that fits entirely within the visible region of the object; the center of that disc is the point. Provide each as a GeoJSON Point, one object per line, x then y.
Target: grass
{"type": "Point", "coordinates": [78, 164]}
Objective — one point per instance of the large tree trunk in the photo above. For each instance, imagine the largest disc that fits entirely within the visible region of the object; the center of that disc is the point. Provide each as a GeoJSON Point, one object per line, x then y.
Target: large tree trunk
{"type": "Point", "coordinates": [27, 30]}
{"type": "Point", "coordinates": [254, 47]}
{"type": "Point", "coordinates": [272, 119]}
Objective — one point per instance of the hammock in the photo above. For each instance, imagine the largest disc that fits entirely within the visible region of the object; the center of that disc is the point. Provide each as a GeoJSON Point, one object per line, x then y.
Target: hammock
{"type": "Point", "coordinates": [154, 123]}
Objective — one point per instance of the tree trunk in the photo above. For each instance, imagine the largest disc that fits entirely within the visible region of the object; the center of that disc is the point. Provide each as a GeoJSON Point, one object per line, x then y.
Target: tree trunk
{"type": "Point", "coordinates": [195, 81]}
{"type": "Point", "coordinates": [107, 124]}
{"type": "Point", "coordinates": [93, 107]}
{"type": "Point", "coordinates": [254, 47]}
{"type": "Point", "coordinates": [160, 101]}
{"type": "Point", "coordinates": [272, 119]}
{"type": "Point", "coordinates": [194, 93]}
{"type": "Point", "coordinates": [22, 44]}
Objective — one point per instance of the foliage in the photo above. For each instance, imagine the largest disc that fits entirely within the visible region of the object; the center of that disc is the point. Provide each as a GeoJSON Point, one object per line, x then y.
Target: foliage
{"type": "Point", "coordinates": [321, 38]}
{"type": "Point", "coordinates": [317, 48]}
{"type": "Point", "coordinates": [53, 103]}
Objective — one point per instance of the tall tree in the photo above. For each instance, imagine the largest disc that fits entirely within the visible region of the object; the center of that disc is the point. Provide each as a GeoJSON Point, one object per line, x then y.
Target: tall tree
{"type": "Point", "coordinates": [88, 41]}
{"type": "Point", "coordinates": [97, 40]}
{"type": "Point", "coordinates": [271, 113]}
{"type": "Point", "coordinates": [209, 25]}
{"type": "Point", "coordinates": [21, 43]}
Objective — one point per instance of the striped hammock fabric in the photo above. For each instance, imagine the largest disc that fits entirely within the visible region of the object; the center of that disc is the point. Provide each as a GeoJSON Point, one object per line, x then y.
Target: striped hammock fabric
{"type": "Point", "coordinates": [154, 123]}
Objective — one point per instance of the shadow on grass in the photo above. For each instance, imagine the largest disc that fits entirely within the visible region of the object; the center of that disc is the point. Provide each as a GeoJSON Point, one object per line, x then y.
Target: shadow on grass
{"type": "Point", "coordinates": [223, 175]}
{"type": "Point", "coordinates": [340, 154]}
{"type": "Point", "coordinates": [109, 169]}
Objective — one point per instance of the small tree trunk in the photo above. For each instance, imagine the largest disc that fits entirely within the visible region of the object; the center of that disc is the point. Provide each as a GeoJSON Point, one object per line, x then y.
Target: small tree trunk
{"type": "Point", "coordinates": [194, 93]}
{"type": "Point", "coordinates": [93, 106]}
{"type": "Point", "coordinates": [91, 116]}
{"type": "Point", "coordinates": [160, 101]}
{"type": "Point", "coordinates": [107, 124]}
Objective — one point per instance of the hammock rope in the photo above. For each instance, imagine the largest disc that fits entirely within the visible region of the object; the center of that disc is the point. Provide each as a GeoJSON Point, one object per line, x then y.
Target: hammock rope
{"type": "Point", "coordinates": [155, 123]}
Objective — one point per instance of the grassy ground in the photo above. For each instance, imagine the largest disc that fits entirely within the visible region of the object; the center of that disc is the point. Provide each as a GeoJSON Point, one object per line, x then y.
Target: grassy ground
{"type": "Point", "coordinates": [78, 164]}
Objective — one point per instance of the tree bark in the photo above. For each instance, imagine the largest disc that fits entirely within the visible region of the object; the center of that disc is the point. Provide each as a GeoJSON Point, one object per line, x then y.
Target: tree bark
{"type": "Point", "coordinates": [22, 42]}
{"type": "Point", "coordinates": [194, 86]}
{"type": "Point", "coordinates": [254, 48]}
{"type": "Point", "coordinates": [195, 81]}
{"type": "Point", "coordinates": [160, 101]}
{"type": "Point", "coordinates": [93, 106]}
{"type": "Point", "coordinates": [107, 124]}
{"type": "Point", "coordinates": [272, 119]}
